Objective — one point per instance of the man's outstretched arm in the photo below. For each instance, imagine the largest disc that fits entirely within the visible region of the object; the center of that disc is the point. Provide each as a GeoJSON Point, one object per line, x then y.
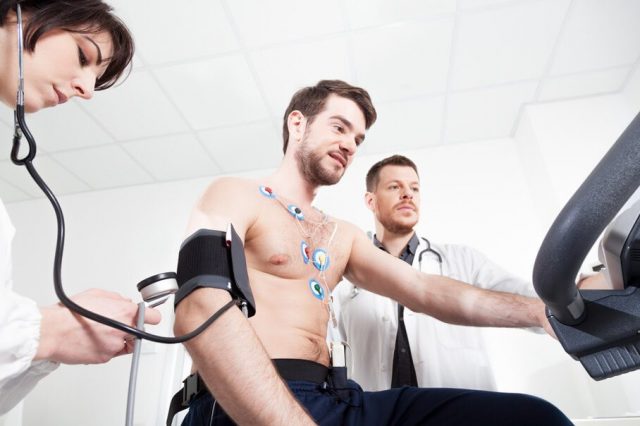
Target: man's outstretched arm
{"type": "Point", "coordinates": [444, 298]}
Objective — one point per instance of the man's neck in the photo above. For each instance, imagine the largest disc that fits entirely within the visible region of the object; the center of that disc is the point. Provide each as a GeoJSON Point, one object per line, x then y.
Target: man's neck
{"type": "Point", "coordinates": [289, 182]}
{"type": "Point", "coordinates": [393, 242]}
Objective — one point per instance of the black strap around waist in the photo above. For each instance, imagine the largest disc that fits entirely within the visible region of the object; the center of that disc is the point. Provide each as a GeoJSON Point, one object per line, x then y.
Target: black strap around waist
{"type": "Point", "coordinates": [288, 369]}
{"type": "Point", "coordinates": [301, 369]}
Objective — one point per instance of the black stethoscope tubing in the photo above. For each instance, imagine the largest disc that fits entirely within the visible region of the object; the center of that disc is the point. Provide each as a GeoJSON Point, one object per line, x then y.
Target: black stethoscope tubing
{"type": "Point", "coordinates": [20, 129]}
{"type": "Point", "coordinates": [429, 249]}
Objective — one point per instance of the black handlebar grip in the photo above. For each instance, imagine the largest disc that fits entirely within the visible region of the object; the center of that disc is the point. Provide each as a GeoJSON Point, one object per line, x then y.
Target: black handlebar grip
{"type": "Point", "coordinates": [581, 221]}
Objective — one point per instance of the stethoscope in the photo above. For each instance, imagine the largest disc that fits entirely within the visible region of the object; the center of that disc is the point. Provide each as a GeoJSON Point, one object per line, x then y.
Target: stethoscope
{"type": "Point", "coordinates": [432, 251]}
{"type": "Point", "coordinates": [428, 249]}
{"type": "Point", "coordinates": [155, 290]}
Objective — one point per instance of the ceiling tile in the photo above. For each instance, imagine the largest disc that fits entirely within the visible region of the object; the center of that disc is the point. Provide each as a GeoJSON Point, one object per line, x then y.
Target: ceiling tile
{"type": "Point", "coordinates": [6, 131]}
{"type": "Point", "coordinates": [487, 113]}
{"type": "Point", "coordinates": [403, 60]}
{"type": "Point", "coordinates": [280, 77]}
{"type": "Point", "coordinates": [367, 13]}
{"type": "Point", "coordinates": [247, 57]}
{"type": "Point", "coordinates": [6, 115]}
{"type": "Point", "coordinates": [136, 109]}
{"type": "Point", "coordinates": [507, 44]}
{"type": "Point", "coordinates": [405, 125]}
{"type": "Point", "coordinates": [6, 136]}
{"type": "Point", "coordinates": [214, 92]}
{"type": "Point", "coordinates": [598, 34]}
{"type": "Point", "coordinates": [585, 84]}
{"type": "Point", "coordinates": [19, 177]}
{"type": "Point", "coordinates": [103, 167]}
{"type": "Point", "coordinates": [67, 126]}
{"type": "Point", "coordinates": [483, 4]}
{"type": "Point", "coordinates": [247, 147]}
{"type": "Point", "coordinates": [137, 62]}
{"type": "Point", "coordinates": [172, 157]}
{"type": "Point", "coordinates": [9, 193]}
{"type": "Point", "coordinates": [58, 178]}
{"type": "Point", "coordinates": [167, 32]}
{"type": "Point", "coordinates": [264, 22]}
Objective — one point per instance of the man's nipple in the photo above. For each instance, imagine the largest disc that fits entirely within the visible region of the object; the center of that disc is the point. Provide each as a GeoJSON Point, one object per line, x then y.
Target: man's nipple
{"type": "Point", "coordinates": [279, 259]}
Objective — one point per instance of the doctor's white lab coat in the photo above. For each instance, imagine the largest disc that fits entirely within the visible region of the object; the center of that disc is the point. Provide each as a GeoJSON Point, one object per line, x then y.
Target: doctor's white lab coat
{"type": "Point", "coordinates": [19, 331]}
{"type": "Point", "coordinates": [444, 355]}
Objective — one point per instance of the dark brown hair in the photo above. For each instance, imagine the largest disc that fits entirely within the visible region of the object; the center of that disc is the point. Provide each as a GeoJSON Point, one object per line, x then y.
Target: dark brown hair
{"type": "Point", "coordinates": [373, 175]}
{"type": "Point", "coordinates": [80, 16]}
{"type": "Point", "coordinates": [311, 100]}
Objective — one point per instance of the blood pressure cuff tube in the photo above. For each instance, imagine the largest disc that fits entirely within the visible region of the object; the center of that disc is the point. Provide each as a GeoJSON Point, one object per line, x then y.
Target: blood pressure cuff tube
{"type": "Point", "coordinates": [214, 259]}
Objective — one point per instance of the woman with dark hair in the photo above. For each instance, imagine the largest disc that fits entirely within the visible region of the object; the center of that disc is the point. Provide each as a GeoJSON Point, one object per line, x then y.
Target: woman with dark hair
{"type": "Point", "coordinates": [72, 48]}
{"type": "Point", "coordinates": [81, 46]}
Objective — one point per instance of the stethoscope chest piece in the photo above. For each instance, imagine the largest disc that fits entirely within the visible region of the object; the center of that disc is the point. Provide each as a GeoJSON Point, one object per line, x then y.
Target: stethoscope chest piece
{"type": "Point", "coordinates": [157, 288]}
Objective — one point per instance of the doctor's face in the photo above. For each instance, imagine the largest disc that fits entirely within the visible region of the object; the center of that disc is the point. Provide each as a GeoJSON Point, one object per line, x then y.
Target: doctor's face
{"type": "Point", "coordinates": [395, 201]}
{"type": "Point", "coordinates": [63, 65]}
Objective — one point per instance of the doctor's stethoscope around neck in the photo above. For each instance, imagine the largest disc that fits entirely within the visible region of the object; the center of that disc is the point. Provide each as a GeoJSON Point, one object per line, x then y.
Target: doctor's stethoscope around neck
{"type": "Point", "coordinates": [431, 252]}
{"type": "Point", "coordinates": [428, 250]}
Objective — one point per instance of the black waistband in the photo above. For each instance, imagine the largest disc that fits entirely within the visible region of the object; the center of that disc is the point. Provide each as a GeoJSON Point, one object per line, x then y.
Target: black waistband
{"type": "Point", "coordinates": [301, 369]}
{"type": "Point", "coordinates": [288, 369]}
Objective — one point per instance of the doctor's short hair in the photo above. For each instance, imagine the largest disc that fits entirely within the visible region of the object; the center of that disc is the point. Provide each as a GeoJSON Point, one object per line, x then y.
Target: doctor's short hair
{"type": "Point", "coordinates": [79, 16]}
{"type": "Point", "coordinates": [373, 175]}
{"type": "Point", "coordinates": [310, 101]}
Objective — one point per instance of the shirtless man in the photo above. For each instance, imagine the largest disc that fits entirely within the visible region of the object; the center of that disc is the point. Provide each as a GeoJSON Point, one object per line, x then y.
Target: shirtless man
{"type": "Point", "coordinates": [295, 257]}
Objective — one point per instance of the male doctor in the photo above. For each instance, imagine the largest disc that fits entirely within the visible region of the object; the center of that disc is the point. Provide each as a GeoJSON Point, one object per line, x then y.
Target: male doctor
{"type": "Point", "coordinates": [422, 351]}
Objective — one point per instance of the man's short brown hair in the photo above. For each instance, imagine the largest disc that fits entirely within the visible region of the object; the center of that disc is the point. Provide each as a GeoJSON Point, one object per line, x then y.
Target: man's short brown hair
{"type": "Point", "coordinates": [373, 175]}
{"type": "Point", "coordinates": [310, 101]}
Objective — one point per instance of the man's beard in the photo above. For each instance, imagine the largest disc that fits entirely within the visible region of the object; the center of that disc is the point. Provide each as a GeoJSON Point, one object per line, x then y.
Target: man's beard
{"type": "Point", "coordinates": [397, 227]}
{"type": "Point", "coordinates": [310, 167]}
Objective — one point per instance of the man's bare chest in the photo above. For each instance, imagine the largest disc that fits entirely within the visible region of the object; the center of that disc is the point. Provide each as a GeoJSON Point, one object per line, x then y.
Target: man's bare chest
{"type": "Point", "coordinates": [289, 243]}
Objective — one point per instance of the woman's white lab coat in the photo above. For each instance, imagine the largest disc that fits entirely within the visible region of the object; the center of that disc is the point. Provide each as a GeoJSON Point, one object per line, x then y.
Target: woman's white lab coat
{"type": "Point", "coordinates": [19, 331]}
{"type": "Point", "coordinates": [444, 355]}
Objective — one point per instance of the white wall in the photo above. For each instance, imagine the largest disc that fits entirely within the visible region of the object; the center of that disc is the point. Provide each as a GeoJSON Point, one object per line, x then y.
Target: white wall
{"type": "Point", "coordinates": [498, 196]}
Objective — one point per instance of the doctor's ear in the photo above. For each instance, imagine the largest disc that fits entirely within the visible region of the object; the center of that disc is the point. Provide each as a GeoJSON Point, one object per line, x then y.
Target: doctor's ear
{"type": "Point", "coordinates": [369, 200]}
{"type": "Point", "coordinates": [297, 123]}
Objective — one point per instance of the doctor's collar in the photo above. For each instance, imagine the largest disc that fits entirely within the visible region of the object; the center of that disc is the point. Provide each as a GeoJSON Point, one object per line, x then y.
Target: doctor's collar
{"type": "Point", "coordinates": [411, 246]}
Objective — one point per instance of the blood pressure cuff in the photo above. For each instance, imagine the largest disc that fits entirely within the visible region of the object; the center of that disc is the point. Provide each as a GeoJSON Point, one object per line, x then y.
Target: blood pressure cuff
{"type": "Point", "coordinates": [214, 259]}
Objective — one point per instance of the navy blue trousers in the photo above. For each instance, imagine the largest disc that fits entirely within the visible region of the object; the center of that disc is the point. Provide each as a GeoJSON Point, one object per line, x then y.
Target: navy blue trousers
{"type": "Point", "coordinates": [403, 406]}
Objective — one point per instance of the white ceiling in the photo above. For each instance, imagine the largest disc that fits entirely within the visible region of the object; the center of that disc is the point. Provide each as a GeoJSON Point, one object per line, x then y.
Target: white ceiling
{"type": "Point", "coordinates": [211, 80]}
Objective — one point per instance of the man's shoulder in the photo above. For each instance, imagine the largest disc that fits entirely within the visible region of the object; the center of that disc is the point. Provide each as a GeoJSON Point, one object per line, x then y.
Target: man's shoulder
{"type": "Point", "coordinates": [346, 225]}
{"type": "Point", "coordinates": [349, 231]}
{"type": "Point", "coordinates": [228, 198]}
{"type": "Point", "coordinates": [232, 183]}
{"type": "Point", "coordinates": [229, 189]}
